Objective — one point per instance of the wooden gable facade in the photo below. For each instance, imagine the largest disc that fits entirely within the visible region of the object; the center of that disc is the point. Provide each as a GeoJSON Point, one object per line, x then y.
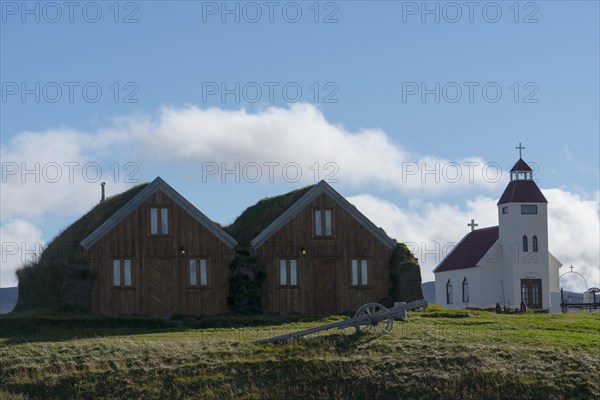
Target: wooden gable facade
{"type": "Point", "coordinates": [323, 256]}
{"type": "Point", "coordinates": [159, 255]}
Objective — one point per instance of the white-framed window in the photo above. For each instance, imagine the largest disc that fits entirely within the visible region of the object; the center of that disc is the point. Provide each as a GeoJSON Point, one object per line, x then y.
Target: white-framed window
{"type": "Point", "coordinates": [198, 272]}
{"type": "Point", "coordinates": [288, 272]}
{"type": "Point", "coordinates": [122, 272]}
{"type": "Point", "coordinates": [528, 209]}
{"type": "Point", "coordinates": [159, 220]}
{"type": "Point", "coordinates": [504, 210]}
{"type": "Point", "coordinates": [360, 272]}
{"type": "Point", "coordinates": [449, 292]}
{"type": "Point", "coordinates": [323, 223]}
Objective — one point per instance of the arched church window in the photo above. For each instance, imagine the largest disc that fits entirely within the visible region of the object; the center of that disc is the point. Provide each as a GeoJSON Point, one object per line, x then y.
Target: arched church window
{"type": "Point", "coordinates": [535, 243]}
{"type": "Point", "coordinates": [465, 290]}
{"type": "Point", "coordinates": [525, 247]}
{"type": "Point", "coordinates": [449, 292]}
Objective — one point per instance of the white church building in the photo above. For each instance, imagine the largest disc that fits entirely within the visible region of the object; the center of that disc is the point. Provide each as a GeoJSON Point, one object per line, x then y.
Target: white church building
{"type": "Point", "coordinates": [508, 264]}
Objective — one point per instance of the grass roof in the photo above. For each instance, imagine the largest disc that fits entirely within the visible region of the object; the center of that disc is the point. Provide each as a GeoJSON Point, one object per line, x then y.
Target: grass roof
{"type": "Point", "coordinates": [259, 216]}
{"type": "Point", "coordinates": [40, 281]}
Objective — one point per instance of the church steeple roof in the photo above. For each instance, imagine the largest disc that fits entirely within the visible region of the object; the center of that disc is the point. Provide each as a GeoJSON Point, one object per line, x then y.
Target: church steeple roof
{"type": "Point", "coordinates": [521, 166]}
{"type": "Point", "coordinates": [522, 187]}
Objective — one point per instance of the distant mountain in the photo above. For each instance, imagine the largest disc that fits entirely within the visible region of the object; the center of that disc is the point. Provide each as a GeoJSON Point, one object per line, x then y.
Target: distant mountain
{"type": "Point", "coordinates": [428, 291]}
{"type": "Point", "coordinates": [8, 299]}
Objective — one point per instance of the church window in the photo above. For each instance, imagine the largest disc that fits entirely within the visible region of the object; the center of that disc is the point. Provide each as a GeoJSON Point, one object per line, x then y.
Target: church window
{"type": "Point", "coordinates": [528, 209]}
{"type": "Point", "coordinates": [504, 210]}
{"type": "Point", "coordinates": [525, 244]}
{"type": "Point", "coordinates": [449, 292]}
{"type": "Point", "coordinates": [465, 291]}
{"type": "Point", "coordinates": [534, 243]}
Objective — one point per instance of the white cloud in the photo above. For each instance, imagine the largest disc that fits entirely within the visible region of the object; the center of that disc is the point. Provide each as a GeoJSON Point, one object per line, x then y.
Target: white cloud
{"type": "Point", "coordinates": [432, 229]}
{"type": "Point", "coordinates": [21, 242]}
{"type": "Point", "coordinates": [66, 162]}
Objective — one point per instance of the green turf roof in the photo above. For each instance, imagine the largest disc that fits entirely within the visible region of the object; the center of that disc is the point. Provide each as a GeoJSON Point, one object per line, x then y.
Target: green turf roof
{"type": "Point", "coordinates": [80, 229]}
{"type": "Point", "coordinates": [259, 216]}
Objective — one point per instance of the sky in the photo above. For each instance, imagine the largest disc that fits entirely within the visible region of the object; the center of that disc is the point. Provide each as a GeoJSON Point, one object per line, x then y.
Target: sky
{"type": "Point", "coordinates": [412, 110]}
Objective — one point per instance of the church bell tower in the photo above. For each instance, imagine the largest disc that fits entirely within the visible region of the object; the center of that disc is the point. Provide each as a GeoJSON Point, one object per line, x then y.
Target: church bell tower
{"type": "Point", "coordinates": [523, 234]}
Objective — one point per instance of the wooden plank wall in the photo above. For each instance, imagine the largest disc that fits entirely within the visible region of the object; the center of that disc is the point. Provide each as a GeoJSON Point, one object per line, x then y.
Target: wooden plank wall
{"type": "Point", "coordinates": [131, 240]}
{"type": "Point", "coordinates": [350, 241]}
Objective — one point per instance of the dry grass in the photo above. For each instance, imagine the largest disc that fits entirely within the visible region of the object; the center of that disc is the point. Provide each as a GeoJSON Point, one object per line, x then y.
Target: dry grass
{"type": "Point", "coordinates": [432, 355]}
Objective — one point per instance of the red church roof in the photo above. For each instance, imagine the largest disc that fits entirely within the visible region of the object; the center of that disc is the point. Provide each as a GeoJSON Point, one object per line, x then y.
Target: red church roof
{"type": "Point", "coordinates": [469, 250]}
{"type": "Point", "coordinates": [522, 191]}
{"type": "Point", "coordinates": [521, 166]}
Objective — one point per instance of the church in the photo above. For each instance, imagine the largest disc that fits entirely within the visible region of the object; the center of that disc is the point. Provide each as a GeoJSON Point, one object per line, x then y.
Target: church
{"type": "Point", "coordinates": [509, 264]}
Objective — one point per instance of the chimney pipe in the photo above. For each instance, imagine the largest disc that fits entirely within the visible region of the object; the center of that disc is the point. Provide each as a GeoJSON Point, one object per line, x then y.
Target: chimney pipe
{"type": "Point", "coordinates": [102, 198]}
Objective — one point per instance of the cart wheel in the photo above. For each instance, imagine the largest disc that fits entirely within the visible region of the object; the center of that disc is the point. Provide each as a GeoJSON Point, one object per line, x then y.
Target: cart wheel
{"type": "Point", "coordinates": [373, 318]}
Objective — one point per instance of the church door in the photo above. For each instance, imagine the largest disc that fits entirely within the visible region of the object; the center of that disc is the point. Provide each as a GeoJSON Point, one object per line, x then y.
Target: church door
{"type": "Point", "coordinates": [531, 292]}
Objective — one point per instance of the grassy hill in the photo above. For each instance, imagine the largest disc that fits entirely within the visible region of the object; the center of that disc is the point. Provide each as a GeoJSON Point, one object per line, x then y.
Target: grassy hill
{"type": "Point", "coordinates": [436, 354]}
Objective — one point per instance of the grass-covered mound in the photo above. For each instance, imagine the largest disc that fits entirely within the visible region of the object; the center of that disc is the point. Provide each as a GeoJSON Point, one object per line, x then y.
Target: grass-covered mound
{"type": "Point", "coordinates": [259, 216]}
{"type": "Point", "coordinates": [40, 281]}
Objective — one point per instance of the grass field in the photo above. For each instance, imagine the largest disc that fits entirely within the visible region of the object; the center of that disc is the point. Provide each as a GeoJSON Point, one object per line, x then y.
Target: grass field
{"type": "Point", "coordinates": [436, 354]}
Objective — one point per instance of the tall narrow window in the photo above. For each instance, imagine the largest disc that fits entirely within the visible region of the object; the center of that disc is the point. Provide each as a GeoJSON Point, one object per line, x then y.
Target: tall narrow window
{"type": "Point", "coordinates": [203, 273]}
{"type": "Point", "coordinates": [193, 278]}
{"type": "Point", "coordinates": [164, 221]}
{"type": "Point", "coordinates": [127, 275]}
{"type": "Point", "coordinates": [534, 243]}
{"type": "Point", "coordinates": [525, 244]}
{"type": "Point", "coordinates": [360, 272]}
{"type": "Point", "coordinates": [154, 221]}
{"type": "Point", "coordinates": [288, 272]}
{"type": "Point", "coordinates": [117, 272]}
{"type": "Point", "coordinates": [465, 290]}
{"type": "Point", "coordinates": [318, 223]}
{"type": "Point", "coordinates": [122, 273]}
{"type": "Point", "coordinates": [327, 222]}
{"type": "Point", "coordinates": [525, 293]}
{"type": "Point", "coordinates": [449, 292]}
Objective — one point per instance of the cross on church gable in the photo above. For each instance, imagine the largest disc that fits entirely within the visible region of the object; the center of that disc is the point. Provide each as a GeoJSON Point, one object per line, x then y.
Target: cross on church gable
{"type": "Point", "coordinates": [472, 224]}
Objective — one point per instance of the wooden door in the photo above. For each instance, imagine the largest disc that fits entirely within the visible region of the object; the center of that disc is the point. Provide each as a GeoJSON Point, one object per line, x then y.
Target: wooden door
{"type": "Point", "coordinates": [324, 286]}
{"type": "Point", "coordinates": [159, 282]}
{"type": "Point", "coordinates": [531, 292]}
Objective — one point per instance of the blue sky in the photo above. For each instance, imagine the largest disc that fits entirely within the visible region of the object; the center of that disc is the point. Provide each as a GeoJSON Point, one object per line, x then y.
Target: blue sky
{"type": "Point", "coordinates": [369, 62]}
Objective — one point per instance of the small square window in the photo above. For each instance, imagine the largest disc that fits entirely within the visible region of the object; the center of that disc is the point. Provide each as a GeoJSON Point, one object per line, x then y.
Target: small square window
{"type": "Point", "coordinates": [504, 210]}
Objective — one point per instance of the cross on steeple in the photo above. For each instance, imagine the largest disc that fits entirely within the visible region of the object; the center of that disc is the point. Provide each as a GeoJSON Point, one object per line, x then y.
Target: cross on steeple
{"type": "Point", "coordinates": [571, 267]}
{"type": "Point", "coordinates": [520, 147]}
{"type": "Point", "coordinates": [472, 224]}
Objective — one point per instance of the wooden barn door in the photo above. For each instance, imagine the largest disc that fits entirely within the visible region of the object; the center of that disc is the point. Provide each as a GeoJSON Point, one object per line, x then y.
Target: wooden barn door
{"type": "Point", "coordinates": [324, 286]}
{"type": "Point", "coordinates": [159, 284]}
